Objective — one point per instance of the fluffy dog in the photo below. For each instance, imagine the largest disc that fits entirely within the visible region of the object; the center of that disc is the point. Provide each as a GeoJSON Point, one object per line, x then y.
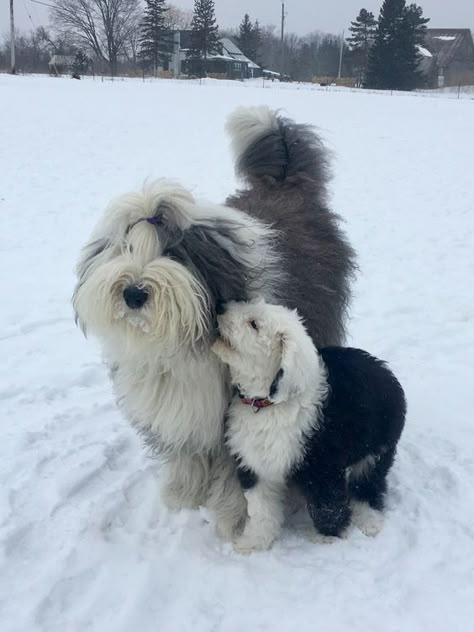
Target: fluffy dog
{"type": "Point", "coordinates": [159, 262]}
{"type": "Point", "coordinates": [328, 422]}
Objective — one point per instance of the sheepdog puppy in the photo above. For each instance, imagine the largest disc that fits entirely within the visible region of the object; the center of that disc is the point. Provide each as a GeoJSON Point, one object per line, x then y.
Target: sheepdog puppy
{"type": "Point", "coordinates": [158, 263]}
{"type": "Point", "coordinates": [328, 422]}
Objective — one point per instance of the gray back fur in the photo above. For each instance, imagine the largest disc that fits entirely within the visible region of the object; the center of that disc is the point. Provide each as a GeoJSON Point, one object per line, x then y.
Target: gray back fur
{"type": "Point", "coordinates": [287, 172]}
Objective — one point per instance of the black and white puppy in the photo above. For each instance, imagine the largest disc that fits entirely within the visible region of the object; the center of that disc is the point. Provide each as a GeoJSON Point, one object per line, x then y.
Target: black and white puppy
{"type": "Point", "coordinates": [328, 422]}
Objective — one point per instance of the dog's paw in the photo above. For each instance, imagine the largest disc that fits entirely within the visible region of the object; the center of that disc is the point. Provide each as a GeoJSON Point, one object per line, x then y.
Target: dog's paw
{"type": "Point", "coordinates": [368, 520]}
{"type": "Point", "coordinates": [249, 542]}
{"type": "Point", "coordinates": [314, 536]}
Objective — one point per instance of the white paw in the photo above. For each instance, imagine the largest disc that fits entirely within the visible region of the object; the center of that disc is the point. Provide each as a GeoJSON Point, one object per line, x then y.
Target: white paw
{"type": "Point", "coordinates": [368, 520]}
{"type": "Point", "coordinates": [249, 542]}
{"type": "Point", "coordinates": [318, 538]}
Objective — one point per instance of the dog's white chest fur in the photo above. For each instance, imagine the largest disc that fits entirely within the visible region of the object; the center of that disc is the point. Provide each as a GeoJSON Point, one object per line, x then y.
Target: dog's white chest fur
{"type": "Point", "coordinates": [182, 402]}
{"type": "Point", "coordinates": [269, 442]}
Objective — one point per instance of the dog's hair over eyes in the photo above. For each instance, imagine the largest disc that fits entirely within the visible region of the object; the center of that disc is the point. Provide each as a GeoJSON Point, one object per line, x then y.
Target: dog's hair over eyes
{"type": "Point", "coordinates": [221, 258]}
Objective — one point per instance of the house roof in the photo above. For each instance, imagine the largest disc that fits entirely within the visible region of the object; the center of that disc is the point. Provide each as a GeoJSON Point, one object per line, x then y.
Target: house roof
{"type": "Point", "coordinates": [446, 44]}
{"type": "Point", "coordinates": [234, 51]}
{"type": "Point", "coordinates": [230, 52]}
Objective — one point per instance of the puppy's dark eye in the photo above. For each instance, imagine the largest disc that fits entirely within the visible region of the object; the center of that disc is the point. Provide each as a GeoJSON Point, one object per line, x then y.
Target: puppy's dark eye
{"type": "Point", "coordinates": [253, 324]}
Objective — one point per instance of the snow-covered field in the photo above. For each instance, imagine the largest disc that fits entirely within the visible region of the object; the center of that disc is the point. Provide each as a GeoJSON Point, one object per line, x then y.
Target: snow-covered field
{"type": "Point", "coordinates": [86, 544]}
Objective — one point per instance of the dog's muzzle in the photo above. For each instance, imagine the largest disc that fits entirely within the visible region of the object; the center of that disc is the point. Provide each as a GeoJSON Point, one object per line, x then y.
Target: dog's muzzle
{"type": "Point", "coordinates": [135, 297]}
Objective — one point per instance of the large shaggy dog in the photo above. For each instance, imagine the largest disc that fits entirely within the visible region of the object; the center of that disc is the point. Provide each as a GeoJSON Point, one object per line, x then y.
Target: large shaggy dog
{"type": "Point", "coordinates": [328, 422]}
{"type": "Point", "coordinates": [158, 264]}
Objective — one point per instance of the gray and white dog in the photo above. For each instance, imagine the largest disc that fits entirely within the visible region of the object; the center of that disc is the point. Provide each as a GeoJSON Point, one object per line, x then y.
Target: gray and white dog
{"type": "Point", "coordinates": [159, 263]}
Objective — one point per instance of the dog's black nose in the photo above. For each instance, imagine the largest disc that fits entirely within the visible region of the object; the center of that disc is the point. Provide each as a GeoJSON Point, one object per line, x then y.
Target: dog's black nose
{"type": "Point", "coordinates": [220, 308]}
{"type": "Point", "coordinates": [135, 297]}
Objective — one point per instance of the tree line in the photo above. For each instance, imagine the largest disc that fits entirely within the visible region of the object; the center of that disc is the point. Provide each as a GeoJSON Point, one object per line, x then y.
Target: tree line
{"type": "Point", "coordinates": [380, 52]}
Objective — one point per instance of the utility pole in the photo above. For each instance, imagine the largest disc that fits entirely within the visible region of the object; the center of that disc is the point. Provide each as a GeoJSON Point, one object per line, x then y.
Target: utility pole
{"type": "Point", "coordinates": [340, 56]}
{"type": "Point", "coordinates": [282, 51]}
{"type": "Point", "coordinates": [12, 39]}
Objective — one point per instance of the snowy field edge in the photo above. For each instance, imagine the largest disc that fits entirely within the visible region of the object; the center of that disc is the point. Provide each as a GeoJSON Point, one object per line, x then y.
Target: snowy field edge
{"type": "Point", "coordinates": [86, 543]}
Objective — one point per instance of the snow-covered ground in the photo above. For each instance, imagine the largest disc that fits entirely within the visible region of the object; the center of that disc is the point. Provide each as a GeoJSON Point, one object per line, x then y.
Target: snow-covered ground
{"type": "Point", "coordinates": [86, 544]}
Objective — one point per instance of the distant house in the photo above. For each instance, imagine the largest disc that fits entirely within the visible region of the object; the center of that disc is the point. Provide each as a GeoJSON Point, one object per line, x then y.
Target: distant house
{"type": "Point", "coordinates": [231, 63]}
{"type": "Point", "coordinates": [60, 63]}
{"type": "Point", "coordinates": [447, 57]}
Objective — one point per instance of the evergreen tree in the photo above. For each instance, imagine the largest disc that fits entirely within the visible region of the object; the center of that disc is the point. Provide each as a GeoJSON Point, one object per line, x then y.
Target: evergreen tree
{"type": "Point", "coordinates": [363, 31]}
{"type": "Point", "coordinates": [257, 43]}
{"type": "Point", "coordinates": [412, 34]}
{"type": "Point", "coordinates": [204, 36]}
{"type": "Point", "coordinates": [393, 59]}
{"type": "Point", "coordinates": [156, 45]}
{"type": "Point", "coordinates": [246, 36]}
{"type": "Point", "coordinates": [250, 38]}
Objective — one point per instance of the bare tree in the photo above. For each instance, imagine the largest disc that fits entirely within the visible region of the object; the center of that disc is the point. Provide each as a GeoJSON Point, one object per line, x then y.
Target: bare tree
{"type": "Point", "coordinates": [177, 19]}
{"type": "Point", "coordinates": [104, 26]}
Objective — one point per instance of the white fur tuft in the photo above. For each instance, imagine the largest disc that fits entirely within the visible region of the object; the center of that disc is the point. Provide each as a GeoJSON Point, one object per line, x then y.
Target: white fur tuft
{"type": "Point", "coordinates": [247, 124]}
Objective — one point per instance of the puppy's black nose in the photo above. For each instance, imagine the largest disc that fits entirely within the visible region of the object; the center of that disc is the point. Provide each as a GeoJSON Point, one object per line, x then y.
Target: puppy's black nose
{"type": "Point", "coordinates": [220, 308]}
{"type": "Point", "coordinates": [135, 297]}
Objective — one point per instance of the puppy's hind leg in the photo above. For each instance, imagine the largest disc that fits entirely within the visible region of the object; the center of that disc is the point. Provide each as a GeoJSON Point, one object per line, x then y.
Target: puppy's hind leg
{"type": "Point", "coordinates": [369, 483]}
{"type": "Point", "coordinates": [367, 486]}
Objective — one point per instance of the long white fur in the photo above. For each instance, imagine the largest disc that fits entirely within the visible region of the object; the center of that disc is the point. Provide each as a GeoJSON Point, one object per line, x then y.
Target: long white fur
{"type": "Point", "coordinates": [168, 383]}
{"type": "Point", "coordinates": [270, 442]}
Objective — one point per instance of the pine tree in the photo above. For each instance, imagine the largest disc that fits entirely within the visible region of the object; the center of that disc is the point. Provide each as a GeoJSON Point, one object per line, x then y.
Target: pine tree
{"type": "Point", "coordinates": [257, 42]}
{"type": "Point", "coordinates": [246, 36]}
{"type": "Point", "coordinates": [204, 36]}
{"type": "Point", "coordinates": [250, 37]}
{"type": "Point", "coordinates": [412, 35]}
{"type": "Point", "coordinates": [156, 45]}
{"type": "Point", "coordinates": [393, 59]}
{"type": "Point", "coordinates": [363, 31]}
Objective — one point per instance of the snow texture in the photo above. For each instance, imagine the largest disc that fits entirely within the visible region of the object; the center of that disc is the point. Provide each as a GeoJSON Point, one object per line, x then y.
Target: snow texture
{"type": "Point", "coordinates": [86, 544]}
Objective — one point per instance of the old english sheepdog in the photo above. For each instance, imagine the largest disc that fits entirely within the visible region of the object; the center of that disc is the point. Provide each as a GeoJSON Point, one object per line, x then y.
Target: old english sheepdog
{"type": "Point", "coordinates": [158, 264]}
{"type": "Point", "coordinates": [328, 422]}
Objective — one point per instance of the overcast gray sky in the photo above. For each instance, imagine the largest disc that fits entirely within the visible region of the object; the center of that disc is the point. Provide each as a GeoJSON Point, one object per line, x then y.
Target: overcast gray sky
{"type": "Point", "coordinates": [302, 17]}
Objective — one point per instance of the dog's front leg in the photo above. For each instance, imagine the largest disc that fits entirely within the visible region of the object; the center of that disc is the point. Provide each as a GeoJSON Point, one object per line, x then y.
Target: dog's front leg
{"type": "Point", "coordinates": [265, 507]}
{"type": "Point", "coordinates": [225, 498]}
{"type": "Point", "coordinates": [187, 480]}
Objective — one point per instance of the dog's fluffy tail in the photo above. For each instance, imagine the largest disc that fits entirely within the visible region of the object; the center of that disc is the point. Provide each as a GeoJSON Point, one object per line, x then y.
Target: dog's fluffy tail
{"type": "Point", "coordinates": [267, 144]}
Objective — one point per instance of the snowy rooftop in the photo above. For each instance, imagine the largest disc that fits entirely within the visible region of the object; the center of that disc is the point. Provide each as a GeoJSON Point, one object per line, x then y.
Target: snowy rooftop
{"type": "Point", "coordinates": [236, 53]}
{"type": "Point", "coordinates": [424, 51]}
{"type": "Point", "coordinates": [449, 44]}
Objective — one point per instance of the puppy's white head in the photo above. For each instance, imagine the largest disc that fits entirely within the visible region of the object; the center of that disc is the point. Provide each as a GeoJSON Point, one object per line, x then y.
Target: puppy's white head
{"type": "Point", "coordinates": [268, 350]}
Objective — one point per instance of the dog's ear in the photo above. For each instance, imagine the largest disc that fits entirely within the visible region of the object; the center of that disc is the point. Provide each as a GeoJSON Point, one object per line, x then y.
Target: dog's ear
{"type": "Point", "coordinates": [290, 379]}
{"type": "Point", "coordinates": [223, 351]}
{"type": "Point", "coordinates": [93, 254]}
{"type": "Point", "coordinates": [209, 251]}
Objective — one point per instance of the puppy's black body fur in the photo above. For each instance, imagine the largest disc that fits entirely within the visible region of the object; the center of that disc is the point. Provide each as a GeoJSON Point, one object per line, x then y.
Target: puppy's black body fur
{"type": "Point", "coordinates": [362, 418]}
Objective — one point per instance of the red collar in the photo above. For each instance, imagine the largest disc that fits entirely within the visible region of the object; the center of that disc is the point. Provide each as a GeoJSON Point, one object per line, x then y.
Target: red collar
{"type": "Point", "coordinates": [256, 403]}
